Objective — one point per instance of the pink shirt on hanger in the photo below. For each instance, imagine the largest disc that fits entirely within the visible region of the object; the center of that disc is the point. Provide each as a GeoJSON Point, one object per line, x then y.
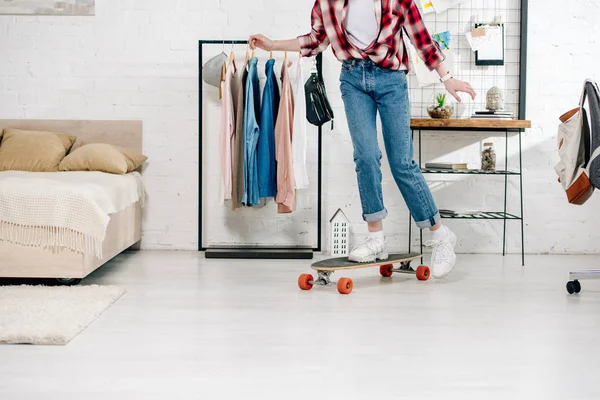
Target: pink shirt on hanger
{"type": "Point", "coordinates": [286, 191]}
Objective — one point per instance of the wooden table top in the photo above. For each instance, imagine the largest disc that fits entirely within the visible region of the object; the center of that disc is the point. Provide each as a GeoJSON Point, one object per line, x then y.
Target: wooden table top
{"type": "Point", "coordinates": [471, 123]}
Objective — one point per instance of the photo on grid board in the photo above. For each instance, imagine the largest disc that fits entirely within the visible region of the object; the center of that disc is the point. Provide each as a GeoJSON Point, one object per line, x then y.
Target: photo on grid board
{"type": "Point", "coordinates": [47, 7]}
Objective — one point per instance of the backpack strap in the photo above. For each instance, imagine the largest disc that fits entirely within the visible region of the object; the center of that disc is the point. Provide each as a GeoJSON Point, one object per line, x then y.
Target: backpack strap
{"type": "Point", "coordinates": [582, 98]}
{"type": "Point", "coordinates": [595, 155]}
{"type": "Point", "coordinates": [584, 91]}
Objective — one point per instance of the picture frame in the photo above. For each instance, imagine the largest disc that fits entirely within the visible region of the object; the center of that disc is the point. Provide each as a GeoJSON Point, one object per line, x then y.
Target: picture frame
{"type": "Point", "coordinates": [495, 52]}
{"type": "Point", "coordinates": [48, 7]}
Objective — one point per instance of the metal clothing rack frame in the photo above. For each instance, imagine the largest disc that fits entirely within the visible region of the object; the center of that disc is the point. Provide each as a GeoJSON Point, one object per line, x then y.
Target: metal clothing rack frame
{"type": "Point", "coordinates": [490, 215]}
{"type": "Point", "coordinates": [254, 252]}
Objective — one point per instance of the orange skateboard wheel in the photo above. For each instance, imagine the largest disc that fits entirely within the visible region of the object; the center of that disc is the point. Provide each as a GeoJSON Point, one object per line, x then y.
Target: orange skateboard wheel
{"type": "Point", "coordinates": [345, 285]}
{"type": "Point", "coordinates": [423, 273]}
{"type": "Point", "coordinates": [386, 270]}
{"type": "Point", "coordinates": [305, 281]}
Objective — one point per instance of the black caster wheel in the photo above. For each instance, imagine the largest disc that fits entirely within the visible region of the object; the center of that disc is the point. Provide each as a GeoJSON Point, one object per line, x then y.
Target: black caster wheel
{"type": "Point", "coordinates": [573, 287]}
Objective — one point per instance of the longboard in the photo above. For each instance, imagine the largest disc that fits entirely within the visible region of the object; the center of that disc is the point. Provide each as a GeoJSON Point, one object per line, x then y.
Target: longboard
{"type": "Point", "coordinates": [326, 268]}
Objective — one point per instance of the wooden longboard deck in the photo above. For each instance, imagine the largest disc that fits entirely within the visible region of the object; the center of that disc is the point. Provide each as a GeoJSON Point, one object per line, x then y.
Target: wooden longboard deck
{"type": "Point", "coordinates": [341, 263]}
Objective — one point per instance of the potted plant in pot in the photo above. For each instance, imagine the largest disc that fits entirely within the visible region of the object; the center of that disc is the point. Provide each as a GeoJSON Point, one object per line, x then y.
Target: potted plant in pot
{"type": "Point", "coordinates": [440, 110]}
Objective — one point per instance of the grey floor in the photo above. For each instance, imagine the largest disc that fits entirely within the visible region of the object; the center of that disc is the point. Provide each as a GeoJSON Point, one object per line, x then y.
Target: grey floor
{"type": "Point", "coordinates": [191, 328]}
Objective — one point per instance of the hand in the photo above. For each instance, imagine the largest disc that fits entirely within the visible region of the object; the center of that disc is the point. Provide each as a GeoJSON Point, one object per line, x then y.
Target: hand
{"type": "Point", "coordinates": [453, 86]}
{"type": "Point", "coordinates": [260, 42]}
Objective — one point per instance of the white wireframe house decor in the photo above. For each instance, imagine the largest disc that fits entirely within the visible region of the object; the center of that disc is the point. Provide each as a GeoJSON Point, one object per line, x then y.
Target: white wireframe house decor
{"type": "Point", "coordinates": [339, 234]}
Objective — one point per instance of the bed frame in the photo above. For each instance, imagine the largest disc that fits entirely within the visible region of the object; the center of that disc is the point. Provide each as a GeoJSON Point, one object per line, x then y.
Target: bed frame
{"type": "Point", "coordinates": [124, 229]}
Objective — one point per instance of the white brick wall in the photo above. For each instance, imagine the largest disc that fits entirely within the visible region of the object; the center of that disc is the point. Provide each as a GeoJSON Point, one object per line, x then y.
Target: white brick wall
{"type": "Point", "coordinates": [137, 59]}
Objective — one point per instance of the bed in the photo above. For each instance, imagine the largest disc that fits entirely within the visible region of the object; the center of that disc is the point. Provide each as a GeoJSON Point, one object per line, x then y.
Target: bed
{"type": "Point", "coordinates": [123, 228]}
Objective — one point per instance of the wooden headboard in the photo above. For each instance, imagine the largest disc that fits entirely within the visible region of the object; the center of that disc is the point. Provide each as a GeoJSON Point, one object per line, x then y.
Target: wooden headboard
{"type": "Point", "coordinates": [123, 133]}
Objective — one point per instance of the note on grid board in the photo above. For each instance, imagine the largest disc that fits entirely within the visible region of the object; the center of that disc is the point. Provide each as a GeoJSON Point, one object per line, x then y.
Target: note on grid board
{"type": "Point", "coordinates": [442, 5]}
{"type": "Point", "coordinates": [427, 6]}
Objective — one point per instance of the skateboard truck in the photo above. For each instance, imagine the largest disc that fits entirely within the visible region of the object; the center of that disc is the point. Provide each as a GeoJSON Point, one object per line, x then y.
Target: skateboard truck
{"type": "Point", "coordinates": [404, 268]}
{"type": "Point", "coordinates": [324, 278]}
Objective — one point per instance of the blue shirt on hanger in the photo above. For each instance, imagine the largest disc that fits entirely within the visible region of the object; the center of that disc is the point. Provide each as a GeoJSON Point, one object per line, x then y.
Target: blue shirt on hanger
{"type": "Point", "coordinates": [252, 131]}
{"type": "Point", "coordinates": [267, 164]}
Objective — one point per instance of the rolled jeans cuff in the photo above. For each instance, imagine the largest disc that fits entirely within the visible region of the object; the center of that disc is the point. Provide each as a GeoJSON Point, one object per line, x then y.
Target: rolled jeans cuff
{"type": "Point", "coordinates": [429, 222]}
{"type": "Point", "coordinates": [378, 216]}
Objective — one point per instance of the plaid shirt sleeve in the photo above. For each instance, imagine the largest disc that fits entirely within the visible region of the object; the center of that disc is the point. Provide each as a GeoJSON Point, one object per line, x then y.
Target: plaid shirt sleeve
{"type": "Point", "coordinates": [316, 41]}
{"type": "Point", "coordinates": [419, 36]}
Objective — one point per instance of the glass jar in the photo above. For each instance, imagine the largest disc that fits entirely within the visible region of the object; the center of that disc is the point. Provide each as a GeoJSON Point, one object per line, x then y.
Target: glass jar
{"type": "Point", "coordinates": [488, 157]}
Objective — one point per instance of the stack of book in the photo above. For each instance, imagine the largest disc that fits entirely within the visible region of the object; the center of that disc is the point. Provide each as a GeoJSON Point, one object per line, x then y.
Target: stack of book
{"type": "Point", "coordinates": [493, 115]}
{"type": "Point", "coordinates": [453, 213]}
{"type": "Point", "coordinates": [446, 166]}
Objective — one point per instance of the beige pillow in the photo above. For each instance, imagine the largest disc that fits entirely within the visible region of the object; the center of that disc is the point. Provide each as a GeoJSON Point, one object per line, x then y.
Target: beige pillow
{"type": "Point", "coordinates": [103, 157]}
{"type": "Point", "coordinates": [33, 151]}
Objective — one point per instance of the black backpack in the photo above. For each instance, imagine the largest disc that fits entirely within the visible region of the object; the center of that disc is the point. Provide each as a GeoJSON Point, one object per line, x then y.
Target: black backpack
{"type": "Point", "coordinates": [318, 109]}
{"type": "Point", "coordinates": [592, 142]}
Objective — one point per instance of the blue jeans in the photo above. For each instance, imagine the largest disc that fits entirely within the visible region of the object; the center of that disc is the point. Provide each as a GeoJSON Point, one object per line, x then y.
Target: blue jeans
{"type": "Point", "coordinates": [368, 89]}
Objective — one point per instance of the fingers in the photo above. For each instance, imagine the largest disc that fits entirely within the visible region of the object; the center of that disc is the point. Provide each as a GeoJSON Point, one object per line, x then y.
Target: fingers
{"type": "Point", "coordinates": [254, 41]}
{"type": "Point", "coordinates": [455, 95]}
{"type": "Point", "coordinates": [463, 87]}
{"type": "Point", "coordinates": [470, 92]}
{"type": "Point", "coordinates": [469, 89]}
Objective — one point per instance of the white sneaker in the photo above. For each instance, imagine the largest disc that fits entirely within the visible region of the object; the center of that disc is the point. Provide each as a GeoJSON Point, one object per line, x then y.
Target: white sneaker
{"type": "Point", "coordinates": [443, 257]}
{"type": "Point", "coordinates": [370, 250]}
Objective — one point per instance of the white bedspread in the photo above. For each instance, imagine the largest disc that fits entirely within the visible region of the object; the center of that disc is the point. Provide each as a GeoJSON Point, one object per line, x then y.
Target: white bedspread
{"type": "Point", "coordinates": [63, 209]}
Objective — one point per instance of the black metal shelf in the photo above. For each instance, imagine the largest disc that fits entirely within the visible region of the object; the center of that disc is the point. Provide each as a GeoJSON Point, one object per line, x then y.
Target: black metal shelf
{"type": "Point", "coordinates": [483, 215]}
{"type": "Point", "coordinates": [467, 172]}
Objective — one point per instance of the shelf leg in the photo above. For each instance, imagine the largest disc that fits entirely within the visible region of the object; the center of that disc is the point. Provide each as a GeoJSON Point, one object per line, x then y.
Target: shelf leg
{"type": "Point", "coordinates": [421, 241]}
{"type": "Point", "coordinates": [409, 233]}
{"type": "Point", "coordinates": [505, 192]}
{"type": "Point", "coordinates": [420, 167]}
{"type": "Point", "coordinates": [521, 193]}
{"type": "Point", "coordinates": [412, 133]}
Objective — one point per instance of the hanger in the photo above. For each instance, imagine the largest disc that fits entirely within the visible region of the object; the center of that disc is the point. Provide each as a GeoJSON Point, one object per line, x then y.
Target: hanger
{"type": "Point", "coordinates": [270, 55]}
{"type": "Point", "coordinates": [223, 73]}
{"type": "Point", "coordinates": [247, 57]}
{"type": "Point", "coordinates": [285, 57]}
{"type": "Point", "coordinates": [232, 59]}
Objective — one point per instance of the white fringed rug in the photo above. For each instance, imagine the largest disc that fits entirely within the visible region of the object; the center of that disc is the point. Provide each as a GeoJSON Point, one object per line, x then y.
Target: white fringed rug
{"type": "Point", "coordinates": [51, 315]}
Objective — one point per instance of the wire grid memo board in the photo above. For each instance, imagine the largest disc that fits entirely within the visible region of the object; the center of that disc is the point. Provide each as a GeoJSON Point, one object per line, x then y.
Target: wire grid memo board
{"type": "Point", "coordinates": [458, 20]}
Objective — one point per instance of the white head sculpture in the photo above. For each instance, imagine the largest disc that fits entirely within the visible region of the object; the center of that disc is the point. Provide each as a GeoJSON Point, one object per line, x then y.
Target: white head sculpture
{"type": "Point", "coordinates": [495, 99]}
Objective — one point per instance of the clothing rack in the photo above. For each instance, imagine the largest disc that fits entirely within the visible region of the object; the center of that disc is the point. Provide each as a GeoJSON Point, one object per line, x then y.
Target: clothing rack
{"type": "Point", "coordinates": [255, 252]}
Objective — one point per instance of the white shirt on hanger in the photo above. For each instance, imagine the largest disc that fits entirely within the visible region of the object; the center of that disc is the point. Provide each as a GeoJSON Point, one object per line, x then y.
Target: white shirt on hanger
{"type": "Point", "coordinates": [361, 25]}
{"type": "Point", "coordinates": [299, 139]}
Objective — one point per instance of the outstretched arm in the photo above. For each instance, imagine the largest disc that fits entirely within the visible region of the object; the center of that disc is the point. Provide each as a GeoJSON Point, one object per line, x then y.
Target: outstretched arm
{"type": "Point", "coordinates": [309, 45]}
{"type": "Point", "coordinates": [264, 43]}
